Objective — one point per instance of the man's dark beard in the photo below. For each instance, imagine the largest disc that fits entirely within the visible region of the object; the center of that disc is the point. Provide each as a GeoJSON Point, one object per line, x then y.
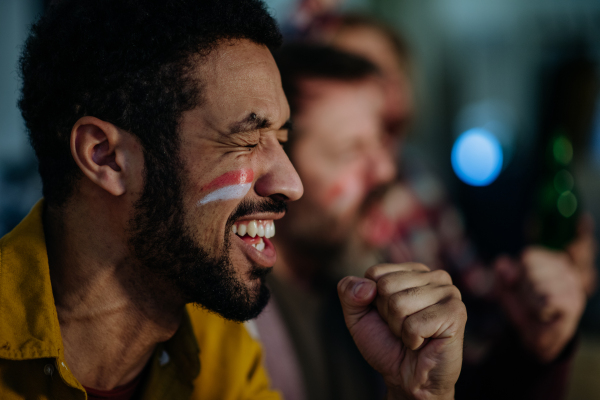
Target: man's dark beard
{"type": "Point", "coordinates": [164, 247]}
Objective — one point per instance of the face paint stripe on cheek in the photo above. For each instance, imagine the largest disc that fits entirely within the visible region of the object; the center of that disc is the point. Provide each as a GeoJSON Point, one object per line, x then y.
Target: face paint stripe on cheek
{"type": "Point", "coordinates": [231, 185]}
{"type": "Point", "coordinates": [344, 193]}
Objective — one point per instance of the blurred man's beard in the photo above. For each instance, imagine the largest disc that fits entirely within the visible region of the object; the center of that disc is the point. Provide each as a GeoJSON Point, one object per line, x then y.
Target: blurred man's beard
{"type": "Point", "coordinates": [330, 239]}
{"type": "Point", "coordinates": [164, 247]}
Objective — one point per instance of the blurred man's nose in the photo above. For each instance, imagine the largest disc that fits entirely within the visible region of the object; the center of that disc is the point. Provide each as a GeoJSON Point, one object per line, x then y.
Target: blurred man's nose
{"type": "Point", "coordinates": [280, 178]}
{"type": "Point", "coordinates": [383, 167]}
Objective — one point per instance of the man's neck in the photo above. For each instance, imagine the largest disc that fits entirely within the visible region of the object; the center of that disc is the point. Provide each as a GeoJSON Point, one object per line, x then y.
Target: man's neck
{"type": "Point", "coordinates": [110, 316]}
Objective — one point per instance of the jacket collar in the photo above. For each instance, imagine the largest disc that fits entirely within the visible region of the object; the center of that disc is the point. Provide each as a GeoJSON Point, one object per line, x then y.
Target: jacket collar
{"type": "Point", "coordinates": [29, 327]}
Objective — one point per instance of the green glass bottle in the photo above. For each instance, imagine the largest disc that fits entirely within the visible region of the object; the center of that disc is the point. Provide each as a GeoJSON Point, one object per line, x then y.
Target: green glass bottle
{"type": "Point", "coordinates": [558, 205]}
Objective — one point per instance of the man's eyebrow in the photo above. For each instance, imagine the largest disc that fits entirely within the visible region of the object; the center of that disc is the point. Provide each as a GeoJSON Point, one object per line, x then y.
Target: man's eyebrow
{"type": "Point", "coordinates": [251, 123]}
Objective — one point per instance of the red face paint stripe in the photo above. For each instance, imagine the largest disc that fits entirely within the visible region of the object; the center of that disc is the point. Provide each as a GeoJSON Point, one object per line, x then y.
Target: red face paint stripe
{"type": "Point", "coordinates": [231, 178]}
{"type": "Point", "coordinates": [332, 194]}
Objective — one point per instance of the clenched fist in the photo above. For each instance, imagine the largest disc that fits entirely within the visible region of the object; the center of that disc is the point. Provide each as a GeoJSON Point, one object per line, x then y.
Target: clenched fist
{"type": "Point", "coordinates": [544, 297]}
{"type": "Point", "coordinates": [408, 322]}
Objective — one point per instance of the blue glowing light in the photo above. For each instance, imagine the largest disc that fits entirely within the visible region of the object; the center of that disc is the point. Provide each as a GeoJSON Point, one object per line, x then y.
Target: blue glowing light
{"type": "Point", "coordinates": [477, 157]}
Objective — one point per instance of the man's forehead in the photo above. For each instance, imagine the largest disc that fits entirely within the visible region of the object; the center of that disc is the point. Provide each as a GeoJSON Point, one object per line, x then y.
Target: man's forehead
{"type": "Point", "coordinates": [240, 77]}
{"type": "Point", "coordinates": [234, 63]}
{"type": "Point", "coordinates": [238, 53]}
{"type": "Point", "coordinates": [316, 90]}
{"type": "Point", "coordinates": [334, 109]}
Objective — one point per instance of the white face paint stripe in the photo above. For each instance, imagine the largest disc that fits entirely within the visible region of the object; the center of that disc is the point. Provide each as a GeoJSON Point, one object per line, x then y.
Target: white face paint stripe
{"type": "Point", "coordinates": [226, 193]}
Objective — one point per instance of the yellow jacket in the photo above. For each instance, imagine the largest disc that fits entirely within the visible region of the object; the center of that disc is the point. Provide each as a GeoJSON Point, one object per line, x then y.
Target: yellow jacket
{"type": "Point", "coordinates": [208, 358]}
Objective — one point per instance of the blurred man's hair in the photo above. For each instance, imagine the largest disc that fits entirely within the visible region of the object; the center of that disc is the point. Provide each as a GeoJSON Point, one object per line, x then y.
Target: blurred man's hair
{"type": "Point", "coordinates": [300, 61]}
{"type": "Point", "coordinates": [324, 29]}
{"type": "Point", "coordinates": [331, 29]}
{"type": "Point", "coordinates": [400, 46]}
{"type": "Point", "coordinates": [128, 62]}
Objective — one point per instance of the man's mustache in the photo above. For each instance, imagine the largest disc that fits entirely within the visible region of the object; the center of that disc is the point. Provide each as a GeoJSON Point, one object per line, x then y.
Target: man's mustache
{"type": "Point", "coordinates": [376, 195]}
{"type": "Point", "coordinates": [248, 207]}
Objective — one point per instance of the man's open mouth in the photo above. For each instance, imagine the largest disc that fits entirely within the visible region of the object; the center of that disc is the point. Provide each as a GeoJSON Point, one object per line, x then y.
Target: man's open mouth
{"type": "Point", "coordinates": [254, 232]}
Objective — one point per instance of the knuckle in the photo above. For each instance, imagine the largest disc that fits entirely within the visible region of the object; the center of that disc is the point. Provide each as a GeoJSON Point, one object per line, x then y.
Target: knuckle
{"type": "Point", "coordinates": [442, 276]}
{"type": "Point", "coordinates": [396, 306]}
{"type": "Point", "coordinates": [376, 270]}
{"type": "Point", "coordinates": [410, 326]}
{"type": "Point", "coordinates": [410, 332]}
{"type": "Point", "coordinates": [385, 286]}
{"type": "Point", "coordinates": [458, 308]}
{"type": "Point", "coordinates": [412, 292]}
{"type": "Point", "coordinates": [532, 252]}
{"type": "Point", "coordinates": [455, 292]}
{"type": "Point", "coordinates": [371, 271]}
{"type": "Point", "coordinates": [428, 315]}
{"type": "Point", "coordinates": [421, 267]}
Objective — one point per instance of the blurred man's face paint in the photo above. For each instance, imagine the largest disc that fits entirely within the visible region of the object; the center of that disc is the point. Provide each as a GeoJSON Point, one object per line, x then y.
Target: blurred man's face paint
{"type": "Point", "coordinates": [229, 186]}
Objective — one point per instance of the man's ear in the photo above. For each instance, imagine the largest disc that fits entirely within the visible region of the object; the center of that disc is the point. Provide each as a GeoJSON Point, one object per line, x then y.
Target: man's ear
{"type": "Point", "coordinates": [98, 148]}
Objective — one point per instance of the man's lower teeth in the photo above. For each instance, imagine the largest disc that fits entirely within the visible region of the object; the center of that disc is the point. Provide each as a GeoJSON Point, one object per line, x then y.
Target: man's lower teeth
{"type": "Point", "coordinates": [260, 246]}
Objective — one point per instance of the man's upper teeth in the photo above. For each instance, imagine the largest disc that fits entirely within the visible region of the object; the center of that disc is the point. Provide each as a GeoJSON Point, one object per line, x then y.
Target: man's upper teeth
{"type": "Point", "coordinates": [242, 229]}
{"type": "Point", "coordinates": [260, 231]}
{"type": "Point", "coordinates": [253, 228]}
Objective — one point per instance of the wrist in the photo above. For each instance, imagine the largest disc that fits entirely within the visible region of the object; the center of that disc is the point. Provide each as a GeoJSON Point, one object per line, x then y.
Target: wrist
{"type": "Point", "coordinates": [399, 394]}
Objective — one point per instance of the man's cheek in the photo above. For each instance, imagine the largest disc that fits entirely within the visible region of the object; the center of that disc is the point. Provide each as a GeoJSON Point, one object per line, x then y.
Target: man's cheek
{"type": "Point", "coordinates": [214, 202]}
{"type": "Point", "coordinates": [344, 194]}
{"type": "Point", "coordinates": [206, 226]}
{"type": "Point", "coordinates": [231, 185]}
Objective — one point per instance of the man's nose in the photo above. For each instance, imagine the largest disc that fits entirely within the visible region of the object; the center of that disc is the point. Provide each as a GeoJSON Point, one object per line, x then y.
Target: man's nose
{"type": "Point", "coordinates": [383, 166]}
{"type": "Point", "coordinates": [280, 178]}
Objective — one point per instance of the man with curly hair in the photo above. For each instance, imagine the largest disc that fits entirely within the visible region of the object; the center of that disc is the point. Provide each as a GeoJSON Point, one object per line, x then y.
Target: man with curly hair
{"type": "Point", "coordinates": [158, 128]}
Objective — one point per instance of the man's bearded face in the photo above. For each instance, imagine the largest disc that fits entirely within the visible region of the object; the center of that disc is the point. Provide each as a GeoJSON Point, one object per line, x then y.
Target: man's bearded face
{"type": "Point", "coordinates": [343, 156]}
{"type": "Point", "coordinates": [165, 245]}
{"type": "Point", "coordinates": [203, 222]}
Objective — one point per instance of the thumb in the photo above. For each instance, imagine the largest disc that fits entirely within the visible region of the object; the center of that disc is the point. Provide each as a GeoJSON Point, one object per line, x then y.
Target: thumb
{"type": "Point", "coordinates": [356, 296]}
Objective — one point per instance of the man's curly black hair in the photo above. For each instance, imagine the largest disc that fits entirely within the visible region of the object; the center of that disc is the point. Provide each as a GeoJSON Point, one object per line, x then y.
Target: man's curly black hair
{"type": "Point", "coordinates": [127, 62]}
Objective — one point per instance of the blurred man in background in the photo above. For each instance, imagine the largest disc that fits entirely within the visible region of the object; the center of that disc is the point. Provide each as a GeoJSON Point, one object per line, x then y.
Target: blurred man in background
{"type": "Point", "coordinates": [343, 153]}
{"type": "Point", "coordinates": [543, 293]}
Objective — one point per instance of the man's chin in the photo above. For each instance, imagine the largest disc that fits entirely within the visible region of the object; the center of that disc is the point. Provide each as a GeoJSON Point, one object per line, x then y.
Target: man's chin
{"type": "Point", "coordinates": [260, 274]}
{"type": "Point", "coordinates": [241, 306]}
